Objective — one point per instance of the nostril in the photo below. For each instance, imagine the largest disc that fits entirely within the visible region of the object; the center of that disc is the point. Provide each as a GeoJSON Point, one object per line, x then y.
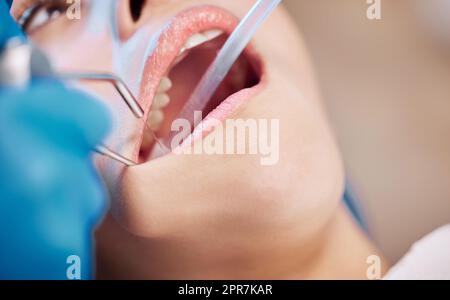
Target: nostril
{"type": "Point", "coordinates": [136, 9]}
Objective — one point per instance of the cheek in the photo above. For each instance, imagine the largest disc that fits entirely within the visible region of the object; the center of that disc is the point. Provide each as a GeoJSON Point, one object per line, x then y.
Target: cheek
{"type": "Point", "coordinates": [310, 170]}
{"type": "Point", "coordinates": [75, 49]}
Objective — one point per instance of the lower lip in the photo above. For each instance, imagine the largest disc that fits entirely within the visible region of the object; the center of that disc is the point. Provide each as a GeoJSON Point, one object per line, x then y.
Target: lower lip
{"type": "Point", "coordinates": [172, 39]}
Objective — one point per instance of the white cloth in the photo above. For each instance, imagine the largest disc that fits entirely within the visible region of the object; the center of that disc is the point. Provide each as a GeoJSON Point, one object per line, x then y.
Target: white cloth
{"type": "Point", "coordinates": [428, 259]}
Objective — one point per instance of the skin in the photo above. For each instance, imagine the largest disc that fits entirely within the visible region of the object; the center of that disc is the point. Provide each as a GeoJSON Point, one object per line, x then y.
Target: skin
{"type": "Point", "coordinates": [225, 217]}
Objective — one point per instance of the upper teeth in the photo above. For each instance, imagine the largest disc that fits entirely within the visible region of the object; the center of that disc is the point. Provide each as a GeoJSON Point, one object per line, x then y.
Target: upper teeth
{"type": "Point", "coordinates": [165, 85]}
{"type": "Point", "coordinates": [212, 34]}
{"type": "Point", "coordinates": [162, 99]}
{"type": "Point", "coordinates": [155, 118]}
{"type": "Point", "coordinates": [200, 38]}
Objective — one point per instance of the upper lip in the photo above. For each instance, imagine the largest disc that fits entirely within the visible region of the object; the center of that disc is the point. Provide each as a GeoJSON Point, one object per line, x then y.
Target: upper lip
{"type": "Point", "coordinates": [171, 40]}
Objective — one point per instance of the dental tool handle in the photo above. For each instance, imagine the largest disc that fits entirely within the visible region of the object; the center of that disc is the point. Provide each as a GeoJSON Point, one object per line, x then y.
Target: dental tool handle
{"type": "Point", "coordinates": [20, 62]}
{"type": "Point", "coordinates": [227, 56]}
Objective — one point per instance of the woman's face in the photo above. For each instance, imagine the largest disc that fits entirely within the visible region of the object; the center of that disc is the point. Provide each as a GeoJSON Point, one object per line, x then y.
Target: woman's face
{"type": "Point", "coordinates": [197, 215]}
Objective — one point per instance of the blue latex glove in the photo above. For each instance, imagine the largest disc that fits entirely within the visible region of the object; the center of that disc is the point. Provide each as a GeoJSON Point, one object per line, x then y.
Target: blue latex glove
{"type": "Point", "coordinates": [50, 195]}
{"type": "Point", "coordinates": [8, 27]}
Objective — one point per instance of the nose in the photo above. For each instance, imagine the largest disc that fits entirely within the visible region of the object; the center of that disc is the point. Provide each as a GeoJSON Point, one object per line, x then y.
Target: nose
{"type": "Point", "coordinates": [129, 13]}
{"type": "Point", "coordinates": [132, 14]}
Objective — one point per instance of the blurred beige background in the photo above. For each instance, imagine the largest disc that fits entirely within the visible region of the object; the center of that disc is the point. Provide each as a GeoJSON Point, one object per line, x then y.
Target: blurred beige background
{"type": "Point", "coordinates": [386, 84]}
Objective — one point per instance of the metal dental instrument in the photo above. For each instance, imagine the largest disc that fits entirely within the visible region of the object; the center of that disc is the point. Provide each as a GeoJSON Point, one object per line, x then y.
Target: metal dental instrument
{"type": "Point", "coordinates": [125, 94]}
{"type": "Point", "coordinates": [20, 61]}
{"type": "Point", "coordinates": [227, 56]}
{"type": "Point", "coordinates": [118, 84]}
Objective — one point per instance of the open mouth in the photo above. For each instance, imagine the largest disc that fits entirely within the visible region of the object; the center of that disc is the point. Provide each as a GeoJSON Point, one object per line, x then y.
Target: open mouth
{"type": "Point", "coordinates": [182, 75]}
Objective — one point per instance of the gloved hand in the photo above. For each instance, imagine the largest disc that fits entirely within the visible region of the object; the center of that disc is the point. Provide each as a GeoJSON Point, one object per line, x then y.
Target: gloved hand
{"type": "Point", "coordinates": [50, 195]}
{"type": "Point", "coordinates": [8, 27]}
